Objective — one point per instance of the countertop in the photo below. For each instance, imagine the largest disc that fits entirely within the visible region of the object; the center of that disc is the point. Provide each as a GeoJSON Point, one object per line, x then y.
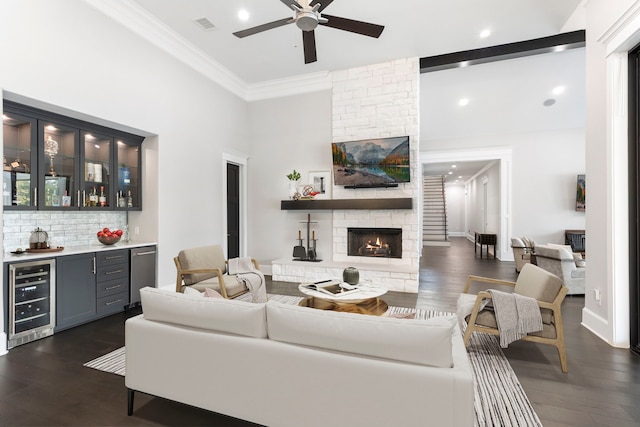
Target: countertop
{"type": "Point", "coordinates": [73, 250]}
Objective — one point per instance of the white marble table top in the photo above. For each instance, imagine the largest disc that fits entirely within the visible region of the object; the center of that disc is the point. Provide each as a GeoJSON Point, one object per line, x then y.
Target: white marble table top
{"type": "Point", "coordinates": [362, 292]}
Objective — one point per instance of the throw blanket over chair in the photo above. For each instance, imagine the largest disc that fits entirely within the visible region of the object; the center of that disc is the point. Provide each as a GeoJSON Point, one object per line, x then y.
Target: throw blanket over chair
{"type": "Point", "coordinates": [205, 267]}
{"type": "Point", "coordinates": [533, 282]}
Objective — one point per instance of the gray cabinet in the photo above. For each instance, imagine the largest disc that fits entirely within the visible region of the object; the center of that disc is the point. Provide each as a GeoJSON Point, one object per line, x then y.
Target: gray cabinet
{"type": "Point", "coordinates": [143, 270]}
{"type": "Point", "coordinates": [90, 286]}
{"type": "Point", "coordinates": [76, 290]}
{"type": "Point", "coordinates": [112, 281]}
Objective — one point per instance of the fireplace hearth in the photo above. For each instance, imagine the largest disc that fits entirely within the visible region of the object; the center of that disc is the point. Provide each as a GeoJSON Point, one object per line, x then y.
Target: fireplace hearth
{"type": "Point", "coordinates": [374, 242]}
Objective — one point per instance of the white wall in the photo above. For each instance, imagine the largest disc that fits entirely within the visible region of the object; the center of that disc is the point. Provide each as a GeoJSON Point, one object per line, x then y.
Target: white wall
{"type": "Point", "coordinates": [606, 216]}
{"type": "Point", "coordinates": [544, 171]}
{"type": "Point", "coordinates": [455, 198]}
{"type": "Point", "coordinates": [286, 133]}
{"type": "Point", "coordinates": [67, 54]}
{"type": "Point", "coordinates": [475, 202]}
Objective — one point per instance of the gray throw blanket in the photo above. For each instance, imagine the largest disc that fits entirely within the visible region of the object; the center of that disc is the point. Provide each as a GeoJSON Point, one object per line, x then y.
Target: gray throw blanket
{"type": "Point", "coordinates": [516, 315]}
{"type": "Point", "coordinates": [252, 278]}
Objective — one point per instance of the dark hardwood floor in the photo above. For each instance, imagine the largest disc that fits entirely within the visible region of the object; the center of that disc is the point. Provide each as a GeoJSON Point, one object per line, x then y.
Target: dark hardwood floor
{"type": "Point", "coordinates": [44, 382]}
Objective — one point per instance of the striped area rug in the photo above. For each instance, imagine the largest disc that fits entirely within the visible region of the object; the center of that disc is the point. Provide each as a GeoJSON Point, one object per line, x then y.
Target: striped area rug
{"type": "Point", "coordinates": [499, 397]}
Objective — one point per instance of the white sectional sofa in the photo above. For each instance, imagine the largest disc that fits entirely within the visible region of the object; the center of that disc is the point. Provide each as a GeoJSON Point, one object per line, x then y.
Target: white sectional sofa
{"type": "Point", "coordinates": [282, 365]}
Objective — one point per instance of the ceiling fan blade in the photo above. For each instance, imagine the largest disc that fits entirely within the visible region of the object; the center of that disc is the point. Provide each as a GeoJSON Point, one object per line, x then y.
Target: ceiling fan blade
{"type": "Point", "coordinates": [358, 27]}
{"type": "Point", "coordinates": [289, 4]}
{"type": "Point", "coordinates": [323, 4]}
{"type": "Point", "coordinates": [309, 43]}
{"type": "Point", "coordinates": [263, 27]}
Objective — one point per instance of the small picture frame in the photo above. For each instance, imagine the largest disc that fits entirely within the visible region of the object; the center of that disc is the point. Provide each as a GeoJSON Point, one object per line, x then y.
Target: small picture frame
{"type": "Point", "coordinates": [321, 181]}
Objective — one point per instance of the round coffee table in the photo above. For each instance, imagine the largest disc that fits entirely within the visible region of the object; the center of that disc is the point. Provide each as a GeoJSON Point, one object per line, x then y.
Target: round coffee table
{"type": "Point", "coordinates": [365, 301]}
{"type": "Point", "coordinates": [371, 306]}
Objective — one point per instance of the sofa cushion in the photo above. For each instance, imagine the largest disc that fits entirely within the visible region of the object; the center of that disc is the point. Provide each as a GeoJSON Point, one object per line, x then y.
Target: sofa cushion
{"type": "Point", "coordinates": [425, 342]}
{"type": "Point", "coordinates": [215, 314]}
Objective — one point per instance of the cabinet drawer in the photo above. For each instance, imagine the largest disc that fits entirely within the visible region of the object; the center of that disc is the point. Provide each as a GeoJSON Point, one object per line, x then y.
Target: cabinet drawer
{"type": "Point", "coordinates": [113, 303]}
{"type": "Point", "coordinates": [112, 272]}
{"type": "Point", "coordinates": [112, 287]}
{"type": "Point", "coordinates": [112, 257]}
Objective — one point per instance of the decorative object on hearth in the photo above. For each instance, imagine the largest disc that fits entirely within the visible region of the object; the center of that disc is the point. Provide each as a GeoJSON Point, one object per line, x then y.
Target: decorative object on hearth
{"type": "Point", "coordinates": [351, 275]}
{"type": "Point", "coordinates": [293, 178]}
{"type": "Point", "coordinates": [322, 184]}
{"type": "Point", "coordinates": [307, 16]}
{"type": "Point", "coordinates": [308, 253]}
{"type": "Point", "coordinates": [51, 150]}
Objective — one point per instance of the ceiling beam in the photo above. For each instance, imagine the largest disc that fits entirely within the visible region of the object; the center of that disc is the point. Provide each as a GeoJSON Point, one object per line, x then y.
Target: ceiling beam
{"type": "Point", "coordinates": [560, 42]}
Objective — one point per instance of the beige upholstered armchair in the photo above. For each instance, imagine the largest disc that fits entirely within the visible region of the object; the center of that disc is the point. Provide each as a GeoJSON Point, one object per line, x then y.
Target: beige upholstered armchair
{"type": "Point", "coordinates": [532, 282]}
{"type": "Point", "coordinates": [205, 267]}
{"type": "Point", "coordinates": [568, 266]}
{"type": "Point", "coordinates": [521, 253]}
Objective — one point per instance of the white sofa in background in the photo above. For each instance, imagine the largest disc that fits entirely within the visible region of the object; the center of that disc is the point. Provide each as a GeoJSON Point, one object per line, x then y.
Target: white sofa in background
{"type": "Point", "coordinates": [283, 365]}
{"type": "Point", "coordinates": [568, 266]}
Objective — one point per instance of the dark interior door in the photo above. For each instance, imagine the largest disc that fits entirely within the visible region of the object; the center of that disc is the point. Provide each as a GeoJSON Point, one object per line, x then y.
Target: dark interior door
{"type": "Point", "coordinates": [634, 200]}
{"type": "Point", "coordinates": [233, 210]}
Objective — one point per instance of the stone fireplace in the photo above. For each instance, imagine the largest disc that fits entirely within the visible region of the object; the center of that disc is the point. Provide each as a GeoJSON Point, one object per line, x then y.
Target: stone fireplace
{"type": "Point", "coordinates": [374, 242]}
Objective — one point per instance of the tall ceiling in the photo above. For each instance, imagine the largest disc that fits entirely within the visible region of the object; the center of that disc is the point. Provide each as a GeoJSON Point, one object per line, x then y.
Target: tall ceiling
{"type": "Point", "coordinates": [503, 97]}
{"type": "Point", "coordinates": [413, 28]}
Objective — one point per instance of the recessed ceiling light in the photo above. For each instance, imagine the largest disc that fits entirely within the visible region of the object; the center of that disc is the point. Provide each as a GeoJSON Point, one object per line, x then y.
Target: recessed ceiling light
{"type": "Point", "coordinates": [454, 166]}
{"type": "Point", "coordinates": [243, 15]}
{"type": "Point", "coordinates": [460, 177]}
{"type": "Point", "coordinates": [450, 173]}
{"type": "Point", "coordinates": [485, 33]}
{"type": "Point", "coordinates": [558, 90]}
{"type": "Point", "coordinates": [463, 102]}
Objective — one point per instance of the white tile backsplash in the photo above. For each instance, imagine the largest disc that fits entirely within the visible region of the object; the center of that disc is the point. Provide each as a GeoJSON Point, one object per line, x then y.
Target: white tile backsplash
{"type": "Point", "coordinates": [66, 228]}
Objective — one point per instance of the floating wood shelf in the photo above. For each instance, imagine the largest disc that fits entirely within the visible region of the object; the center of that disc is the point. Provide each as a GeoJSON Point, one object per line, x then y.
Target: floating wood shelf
{"type": "Point", "coordinates": [337, 204]}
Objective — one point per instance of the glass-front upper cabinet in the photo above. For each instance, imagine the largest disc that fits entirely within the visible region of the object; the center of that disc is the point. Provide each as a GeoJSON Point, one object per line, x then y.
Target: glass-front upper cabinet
{"type": "Point", "coordinates": [128, 195]}
{"type": "Point", "coordinates": [97, 159]}
{"type": "Point", "coordinates": [19, 163]}
{"type": "Point", "coordinates": [58, 154]}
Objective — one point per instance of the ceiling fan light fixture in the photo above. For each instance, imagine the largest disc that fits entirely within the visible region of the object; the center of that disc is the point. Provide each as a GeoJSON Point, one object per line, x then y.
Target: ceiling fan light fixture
{"type": "Point", "coordinates": [307, 21]}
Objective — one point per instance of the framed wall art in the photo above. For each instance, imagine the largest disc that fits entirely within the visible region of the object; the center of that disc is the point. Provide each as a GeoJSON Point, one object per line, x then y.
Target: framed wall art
{"type": "Point", "coordinates": [580, 194]}
{"type": "Point", "coordinates": [321, 181]}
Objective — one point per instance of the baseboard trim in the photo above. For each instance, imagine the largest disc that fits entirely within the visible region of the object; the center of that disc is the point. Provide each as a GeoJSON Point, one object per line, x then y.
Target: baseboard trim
{"type": "Point", "coordinates": [598, 325]}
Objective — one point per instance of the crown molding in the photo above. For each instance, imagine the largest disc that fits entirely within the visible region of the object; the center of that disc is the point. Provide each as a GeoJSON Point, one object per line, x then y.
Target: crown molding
{"type": "Point", "coordinates": [132, 16]}
{"type": "Point", "coordinates": [306, 83]}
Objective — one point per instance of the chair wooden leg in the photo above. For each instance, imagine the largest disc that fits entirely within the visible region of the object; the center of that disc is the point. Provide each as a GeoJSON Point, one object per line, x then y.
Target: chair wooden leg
{"type": "Point", "coordinates": [467, 335]}
{"type": "Point", "coordinates": [563, 357]}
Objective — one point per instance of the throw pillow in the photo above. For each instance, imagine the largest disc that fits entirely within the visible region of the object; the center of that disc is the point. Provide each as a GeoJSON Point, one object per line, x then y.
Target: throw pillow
{"type": "Point", "coordinates": [190, 291]}
{"type": "Point", "coordinates": [212, 293]}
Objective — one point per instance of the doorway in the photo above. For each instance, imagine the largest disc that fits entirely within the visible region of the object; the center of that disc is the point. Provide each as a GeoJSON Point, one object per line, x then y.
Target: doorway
{"type": "Point", "coordinates": [234, 204]}
{"type": "Point", "coordinates": [233, 210]}
{"type": "Point", "coordinates": [634, 200]}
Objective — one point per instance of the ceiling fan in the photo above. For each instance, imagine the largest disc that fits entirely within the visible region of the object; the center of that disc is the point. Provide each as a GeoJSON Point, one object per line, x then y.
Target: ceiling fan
{"type": "Point", "coordinates": [307, 17]}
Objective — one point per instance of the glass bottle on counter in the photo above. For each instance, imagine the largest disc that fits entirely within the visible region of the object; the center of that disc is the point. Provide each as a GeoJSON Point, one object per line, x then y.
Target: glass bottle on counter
{"type": "Point", "coordinates": [129, 199]}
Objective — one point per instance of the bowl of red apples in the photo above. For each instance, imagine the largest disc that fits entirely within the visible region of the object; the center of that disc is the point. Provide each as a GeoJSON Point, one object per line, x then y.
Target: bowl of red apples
{"type": "Point", "coordinates": [109, 237]}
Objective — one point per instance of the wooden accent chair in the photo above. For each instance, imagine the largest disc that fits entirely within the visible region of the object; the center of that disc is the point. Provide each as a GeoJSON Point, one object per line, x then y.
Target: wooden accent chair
{"type": "Point", "coordinates": [532, 282]}
{"type": "Point", "coordinates": [205, 267]}
{"type": "Point", "coordinates": [521, 253]}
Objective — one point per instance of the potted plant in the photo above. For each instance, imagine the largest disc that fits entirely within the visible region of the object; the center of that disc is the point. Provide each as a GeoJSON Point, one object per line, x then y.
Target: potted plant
{"type": "Point", "coordinates": [293, 177]}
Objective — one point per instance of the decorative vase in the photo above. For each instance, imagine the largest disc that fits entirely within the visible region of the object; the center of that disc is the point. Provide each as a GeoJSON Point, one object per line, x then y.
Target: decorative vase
{"type": "Point", "coordinates": [293, 189]}
{"type": "Point", "coordinates": [351, 275]}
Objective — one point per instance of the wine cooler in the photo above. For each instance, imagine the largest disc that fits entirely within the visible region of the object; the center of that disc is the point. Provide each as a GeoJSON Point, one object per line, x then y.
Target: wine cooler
{"type": "Point", "coordinates": [32, 301]}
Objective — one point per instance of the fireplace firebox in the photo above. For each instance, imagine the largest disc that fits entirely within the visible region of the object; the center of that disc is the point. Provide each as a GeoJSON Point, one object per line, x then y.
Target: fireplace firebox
{"type": "Point", "coordinates": [374, 242]}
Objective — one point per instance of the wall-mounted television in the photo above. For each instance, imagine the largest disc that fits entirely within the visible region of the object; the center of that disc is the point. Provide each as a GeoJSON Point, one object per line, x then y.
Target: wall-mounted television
{"type": "Point", "coordinates": [369, 163]}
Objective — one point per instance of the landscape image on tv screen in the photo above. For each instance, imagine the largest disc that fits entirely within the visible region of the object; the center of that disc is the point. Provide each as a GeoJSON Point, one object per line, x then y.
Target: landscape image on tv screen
{"type": "Point", "coordinates": [371, 162]}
